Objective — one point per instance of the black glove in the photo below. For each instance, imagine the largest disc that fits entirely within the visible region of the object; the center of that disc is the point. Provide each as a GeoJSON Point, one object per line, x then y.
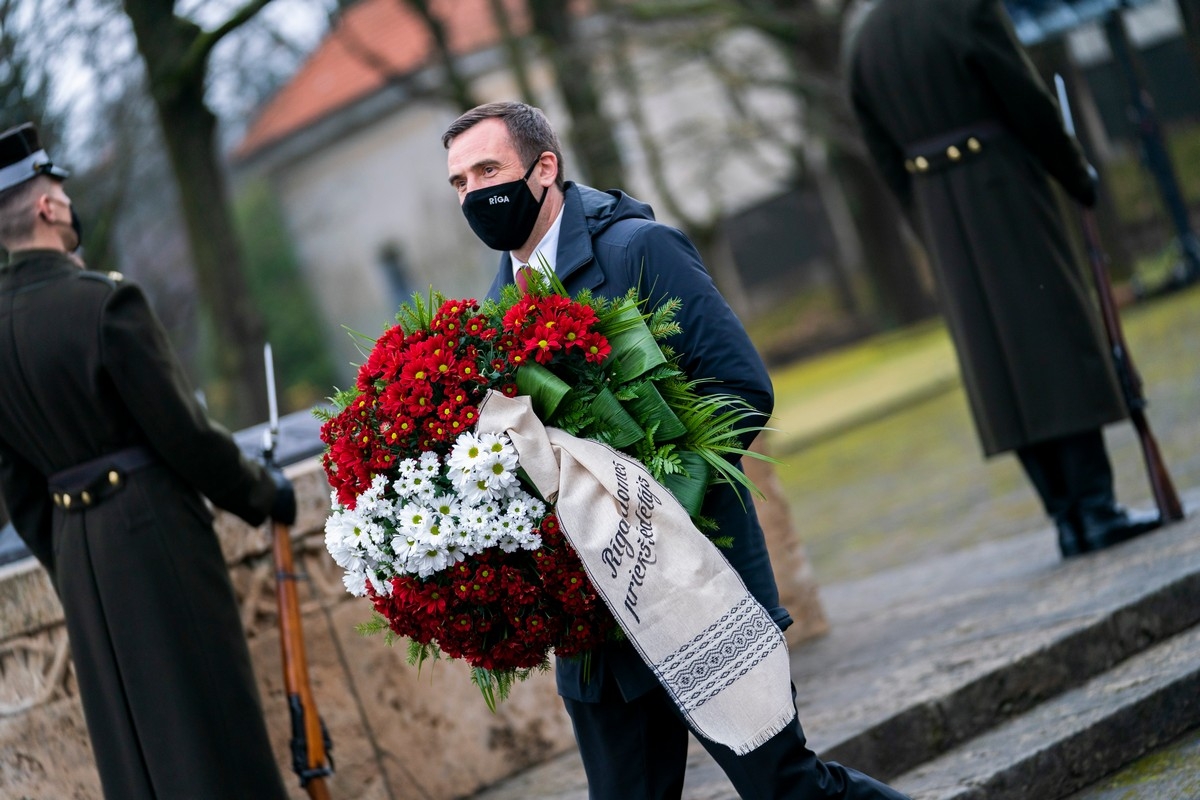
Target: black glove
{"type": "Point", "coordinates": [283, 509]}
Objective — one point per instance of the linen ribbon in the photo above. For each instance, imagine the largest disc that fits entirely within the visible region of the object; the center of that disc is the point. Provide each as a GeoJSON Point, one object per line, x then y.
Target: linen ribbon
{"type": "Point", "coordinates": [713, 647]}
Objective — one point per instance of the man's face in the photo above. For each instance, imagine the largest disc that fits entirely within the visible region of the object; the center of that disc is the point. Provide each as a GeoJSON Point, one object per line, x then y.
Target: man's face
{"type": "Point", "coordinates": [482, 156]}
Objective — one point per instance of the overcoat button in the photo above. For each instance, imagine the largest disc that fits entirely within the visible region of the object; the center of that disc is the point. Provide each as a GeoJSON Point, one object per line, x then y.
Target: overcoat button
{"type": "Point", "coordinates": [922, 163]}
{"type": "Point", "coordinates": [66, 501]}
{"type": "Point", "coordinates": [910, 166]}
{"type": "Point", "coordinates": [57, 499]}
{"type": "Point", "coordinates": [953, 153]}
{"type": "Point", "coordinates": [974, 145]}
{"type": "Point", "coordinates": [86, 498]}
{"type": "Point", "coordinates": [113, 477]}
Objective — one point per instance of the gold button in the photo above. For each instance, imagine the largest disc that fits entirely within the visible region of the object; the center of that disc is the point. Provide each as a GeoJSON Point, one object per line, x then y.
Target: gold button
{"type": "Point", "coordinates": [86, 498]}
{"type": "Point", "coordinates": [974, 145]}
{"type": "Point", "coordinates": [909, 165]}
{"type": "Point", "coordinates": [113, 477]}
{"type": "Point", "coordinates": [953, 153]}
{"type": "Point", "coordinates": [922, 163]}
{"type": "Point", "coordinates": [57, 499]}
{"type": "Point", "coordinates": [66, 501]}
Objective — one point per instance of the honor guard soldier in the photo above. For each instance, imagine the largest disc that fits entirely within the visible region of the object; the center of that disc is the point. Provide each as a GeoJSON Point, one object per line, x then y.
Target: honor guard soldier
{"type": "Point", "coordinates": [105, 455]}
{"type": "Point", "coordinates": [968, 138]}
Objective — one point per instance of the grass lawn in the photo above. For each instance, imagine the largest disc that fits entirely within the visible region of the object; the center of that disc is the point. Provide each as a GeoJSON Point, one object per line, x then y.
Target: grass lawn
{"type": "Point", "coordinates": [881, 461]}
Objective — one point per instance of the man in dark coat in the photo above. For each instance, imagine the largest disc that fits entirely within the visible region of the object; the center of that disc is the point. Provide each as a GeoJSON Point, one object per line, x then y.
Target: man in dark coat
{"type": "Point", "coordinates": [505, 162]}
{"type": "Point", "coordinates": [967, 136]}
{"type": "Point", "coordinates": [104, 456]}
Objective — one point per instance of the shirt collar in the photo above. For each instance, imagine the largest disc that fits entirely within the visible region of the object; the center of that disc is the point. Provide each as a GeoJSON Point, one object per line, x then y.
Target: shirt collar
{"type": "Point", "coordinates": [546, 250]}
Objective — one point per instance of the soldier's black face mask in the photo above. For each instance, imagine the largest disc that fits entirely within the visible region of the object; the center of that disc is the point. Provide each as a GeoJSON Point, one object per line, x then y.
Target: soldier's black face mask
{"type": "Point", "coordinates": [76, 225]}
{"type": "Point", "coordinates": [503, 215]}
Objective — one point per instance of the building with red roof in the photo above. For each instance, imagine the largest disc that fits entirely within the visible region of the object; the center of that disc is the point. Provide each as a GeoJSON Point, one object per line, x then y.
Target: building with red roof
{"type": "Point", "coordinates": [352, 143]}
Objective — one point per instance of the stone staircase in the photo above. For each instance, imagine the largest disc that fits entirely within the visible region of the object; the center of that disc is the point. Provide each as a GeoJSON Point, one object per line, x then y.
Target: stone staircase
{"type": "Point", "coordinates": [1002, 672]}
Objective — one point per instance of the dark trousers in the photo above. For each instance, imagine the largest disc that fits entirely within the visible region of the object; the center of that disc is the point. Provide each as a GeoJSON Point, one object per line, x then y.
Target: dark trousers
{"type": "Point", "coordinates": [637, 750]}
{"type": "Point", "coordinates": [1069, 472]}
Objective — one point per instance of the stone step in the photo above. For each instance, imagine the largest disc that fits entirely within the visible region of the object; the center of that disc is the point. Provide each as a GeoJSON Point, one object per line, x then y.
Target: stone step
{"type": "Point", "coordinates": [925, 658]}
{"type": "Point", "coordinates": [1077, 738]}
{"type": "Point", "coordinates": [994, 654]}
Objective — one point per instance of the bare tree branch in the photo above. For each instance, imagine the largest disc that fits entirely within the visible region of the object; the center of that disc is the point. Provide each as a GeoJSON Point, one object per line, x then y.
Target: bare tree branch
{"type": "Point", "coordinates": [195, 61]}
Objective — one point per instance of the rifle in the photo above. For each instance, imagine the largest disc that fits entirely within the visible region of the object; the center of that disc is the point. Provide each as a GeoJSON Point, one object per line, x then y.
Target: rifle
{"type": "Point", "coordinates": [1165, 496]}
{"type": "Point", "coordinates": [310, 742]}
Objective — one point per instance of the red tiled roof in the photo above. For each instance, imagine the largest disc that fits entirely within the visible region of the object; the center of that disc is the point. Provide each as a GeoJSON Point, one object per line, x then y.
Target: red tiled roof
{"type": "Point", "coordinates": [373, 38]}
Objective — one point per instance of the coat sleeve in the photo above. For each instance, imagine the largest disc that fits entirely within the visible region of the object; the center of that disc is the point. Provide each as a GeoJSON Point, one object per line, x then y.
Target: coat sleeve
{"type": "Point", "coordinates": [663, 264]}
{"type": "Point", "coordinates": [151, 382]}
{"type": "Point", "coordinates": [27, 500]}
{"type": "Point", "coordinates": [1022, 100]}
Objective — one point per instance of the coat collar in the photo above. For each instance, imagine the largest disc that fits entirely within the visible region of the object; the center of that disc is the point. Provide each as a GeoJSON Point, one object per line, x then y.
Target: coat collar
{"type": "Point", "coordinates": [28, 266]}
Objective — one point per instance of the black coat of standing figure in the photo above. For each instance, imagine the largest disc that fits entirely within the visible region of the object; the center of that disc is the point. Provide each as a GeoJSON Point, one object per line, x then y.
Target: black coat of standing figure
{"type": "Point", "coordinates": [969, 139]}
{"type": "Point", "coordinates": [104, 456]}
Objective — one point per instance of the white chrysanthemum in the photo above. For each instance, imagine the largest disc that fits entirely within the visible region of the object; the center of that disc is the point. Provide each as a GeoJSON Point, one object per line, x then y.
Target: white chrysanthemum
{"type": "Point", "coordinates": [428, 561]}
{"type": "Point", "coordinates": [403, 546]}
{"type": "Point", "coordinates": [464, 539]}
{"type": "Point", "coordinates": [355, 582]}
{"type": "Point", "coordinates": [468, 451]}
{"type": "Point", "coordinates": [446, 506]}
{"type": "Point", "coordinates": [415, 520]}
{"type": "Point", "coordinates": [501, 474]}
{"type": "Point", "coordinates": [429, 464]}
{"type": "Point", "coordinates": [407, 468]}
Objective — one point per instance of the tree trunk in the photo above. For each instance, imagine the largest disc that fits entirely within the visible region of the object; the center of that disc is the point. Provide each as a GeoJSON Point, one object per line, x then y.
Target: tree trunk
{"type": "Point", "coordinates": [189, 131]}
{"type": "Point", "coordinates": [1190, 11]}
{"type": "Point", "coordinates": [591, 132]}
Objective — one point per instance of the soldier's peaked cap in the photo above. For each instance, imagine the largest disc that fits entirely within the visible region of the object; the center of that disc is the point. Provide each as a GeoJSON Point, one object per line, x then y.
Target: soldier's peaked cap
{"type": "Point", "coordinates": [22, 157]}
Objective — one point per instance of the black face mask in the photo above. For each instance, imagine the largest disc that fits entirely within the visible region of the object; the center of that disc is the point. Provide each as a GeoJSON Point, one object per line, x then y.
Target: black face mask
{"type": "Point", "coordinates": [76, 226]}
{"type": "Point", "coordinates": [503, 216]}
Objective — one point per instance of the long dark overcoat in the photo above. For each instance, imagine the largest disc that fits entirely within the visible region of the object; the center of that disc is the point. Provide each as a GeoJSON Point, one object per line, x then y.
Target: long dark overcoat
{"type": "Point", "coordinates": [925, 75]}
{"type": "Point", "coordinates": [163, 668]}
{"type": "Point", "coordinates": [609, 243]}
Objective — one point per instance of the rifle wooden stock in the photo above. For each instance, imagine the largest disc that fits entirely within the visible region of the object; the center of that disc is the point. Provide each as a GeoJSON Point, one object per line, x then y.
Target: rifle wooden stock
{"type": "Point", "coordinates": [1131, 382]}
{"type": "Point", "coordinates": [309, 757]}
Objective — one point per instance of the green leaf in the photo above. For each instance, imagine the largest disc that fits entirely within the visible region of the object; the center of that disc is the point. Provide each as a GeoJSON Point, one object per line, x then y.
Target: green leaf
{"type": "Point", "coordinates": [689, 486]}
{"type": "Point", "coordinates": [619, 428]}
{"type": "Point", "coordinates": [649, 407]}
{"type": "Point", "coordinates": [634, 348]}
{"type": "Point", "coordinates": [544, 388]}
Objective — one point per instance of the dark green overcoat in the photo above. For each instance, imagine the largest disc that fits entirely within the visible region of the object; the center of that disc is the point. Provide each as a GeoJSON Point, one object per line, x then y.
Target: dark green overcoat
{"type": "Point", "coordinates": [924, 75]}
{"type": "Point", "coordinates": [163, 668]}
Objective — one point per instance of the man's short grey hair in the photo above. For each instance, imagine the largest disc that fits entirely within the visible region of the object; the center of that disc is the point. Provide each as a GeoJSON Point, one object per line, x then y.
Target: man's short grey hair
{"type": "Point", "coordinates": [528, 127]}
{"type": "Point", "coordinates": [16, 211]}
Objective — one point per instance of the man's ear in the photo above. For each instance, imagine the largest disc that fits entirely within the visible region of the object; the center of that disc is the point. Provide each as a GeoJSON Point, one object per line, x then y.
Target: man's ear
{"type": "Point", "coordinates": [547, 170]}
{"type": "Point", "coordinates": [43, 207]}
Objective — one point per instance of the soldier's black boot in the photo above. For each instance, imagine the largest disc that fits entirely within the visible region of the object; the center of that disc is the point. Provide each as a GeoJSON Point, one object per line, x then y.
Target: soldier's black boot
{"type": "Point", "coordinates": [1103, 523]}
{"type": "Point", "coordinates": [1100, 521]}
{"type": "Point", "coordinates": [1041, 464]}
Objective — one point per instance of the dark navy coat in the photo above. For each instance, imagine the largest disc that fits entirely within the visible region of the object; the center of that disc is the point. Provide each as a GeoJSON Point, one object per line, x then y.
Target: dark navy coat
{"type": "Point", "coordinates": [609, 243]}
